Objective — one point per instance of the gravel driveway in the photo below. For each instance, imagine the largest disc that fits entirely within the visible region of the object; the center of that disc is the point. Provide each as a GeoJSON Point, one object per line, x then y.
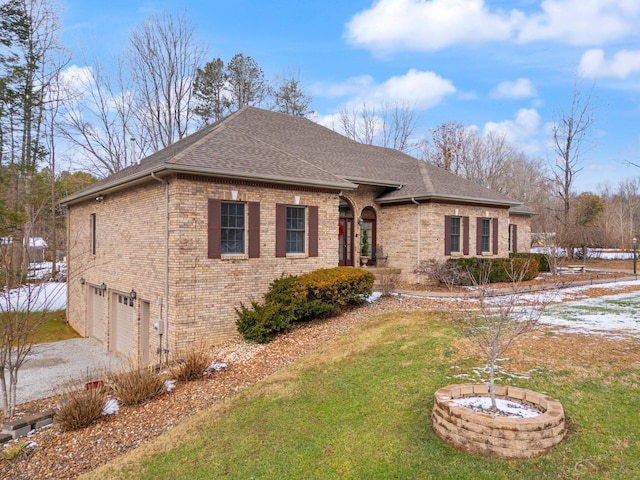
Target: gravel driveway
{"type": "Point", "coordinates": [51, 365]}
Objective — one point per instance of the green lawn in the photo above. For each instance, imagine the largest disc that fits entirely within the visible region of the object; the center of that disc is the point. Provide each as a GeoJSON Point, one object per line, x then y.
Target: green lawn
{"type": "Point", "coordinates": [52, 328]}
{"type": "Point", "coordinates": [55, 328]}
{"type": "Point", "coordinates": [359, 409]}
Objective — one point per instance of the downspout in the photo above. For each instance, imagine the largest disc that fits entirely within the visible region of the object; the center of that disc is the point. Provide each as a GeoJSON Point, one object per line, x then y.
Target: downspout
{"type": "Point", "coordinates": [166, 271]}
{"type": "Point", "coordinates": [419, 235]}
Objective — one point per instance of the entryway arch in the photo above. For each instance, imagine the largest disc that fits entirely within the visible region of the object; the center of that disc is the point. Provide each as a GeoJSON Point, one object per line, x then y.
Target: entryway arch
{"type": "Point", "coordinates": [368, 232]}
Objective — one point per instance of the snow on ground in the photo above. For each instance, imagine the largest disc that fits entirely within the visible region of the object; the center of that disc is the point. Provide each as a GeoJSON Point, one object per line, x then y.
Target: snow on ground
{"type": "Point", "coordinates": [35, 297]}
{"type": "Point", "coordinates": [506, 408]}
{"type": "Point", "coordinates": [611, 315]}
{"type": "Point", "coordinates": [605, 254]}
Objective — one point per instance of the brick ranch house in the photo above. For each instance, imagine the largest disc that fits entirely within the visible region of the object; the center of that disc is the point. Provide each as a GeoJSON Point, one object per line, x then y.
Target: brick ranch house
{"type": "Point", "coordinates": [161, 253]}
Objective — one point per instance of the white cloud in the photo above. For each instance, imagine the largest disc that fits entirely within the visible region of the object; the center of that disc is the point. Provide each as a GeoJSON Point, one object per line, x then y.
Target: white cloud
{"type": "Point", "coordinates": [521, 88]}
{"type": "Point", "coordinates": [351, 86]}
{"type": "Point", "coordinates": [623, 64]}
{"type": "Point", "coordinates": [581, 22]}
{"type": "Point", "coordinates": [429, 25]}
{"type": "Point", "coordinates": [76, 78]}
{"type": "Point", "coordinates": [416, 88]}
{"type": "Point", "coordinates": [520, 131]}
{"type": "Point", "coordinates": [420, 89]}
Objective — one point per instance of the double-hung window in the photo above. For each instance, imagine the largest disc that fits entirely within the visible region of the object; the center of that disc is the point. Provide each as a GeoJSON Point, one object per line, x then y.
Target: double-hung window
{"type": "Point", "coordinates": [486, 234]}
{"type": "Point", "coordinates": [455, 234]}
{"type": "Point", "coordinates": [295, 229]}
{"type": "Point", "coordinates": [232, 228]}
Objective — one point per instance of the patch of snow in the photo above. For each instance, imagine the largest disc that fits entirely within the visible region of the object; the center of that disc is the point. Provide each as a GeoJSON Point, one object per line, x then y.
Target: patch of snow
{"type": "Point", "coordinates": [373, 297]}
{"type": "Point", "coordinates": [216, 367]}
{"type": "Point", "coordinates": [169, 385]}
{"type": "Point", "coordinates": [110, 407]}
{"type": "Point", "coordinates": [506, 408]}
{"type": "Point", "coordinates": [35, 297]}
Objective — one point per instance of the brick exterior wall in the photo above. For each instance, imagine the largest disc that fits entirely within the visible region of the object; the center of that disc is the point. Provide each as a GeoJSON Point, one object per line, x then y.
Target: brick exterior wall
{"type": "Point", "coordinates": [399, 228]}
{"type": "Point", "coordinates": [202, 293]}
{"type": "Point", "coordinates": [196, 296]}
{"type": "Point", "coordinates": [524, 231]}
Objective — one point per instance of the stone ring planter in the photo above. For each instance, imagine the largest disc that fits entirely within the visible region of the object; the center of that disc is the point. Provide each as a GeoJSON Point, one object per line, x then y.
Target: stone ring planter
{"type": "Point", "coordinates": [501, 437]}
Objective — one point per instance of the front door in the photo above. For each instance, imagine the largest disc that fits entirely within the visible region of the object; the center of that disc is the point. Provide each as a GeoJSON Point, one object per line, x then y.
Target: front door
{"type": "Point", "coordinates": [345, 242]}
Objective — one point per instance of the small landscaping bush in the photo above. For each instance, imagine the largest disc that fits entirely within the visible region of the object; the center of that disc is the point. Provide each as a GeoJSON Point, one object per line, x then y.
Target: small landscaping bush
{"type": "Point", "coordinates": [21, 448]}
{"type": "Point", "coordinates": [296, 298]}
{"type": "Point", "coordinates": [79, 408]}
{"type": "Point", "coordinates": [261, 323]}
{"type": "Point", "coordinates": [136, 385]}
{"type": "Point", "coordinates": [541, 258]}
{"type": "Point", "coordinates": [191, 364]}
{"type": "Point", "coordinates": [444, 272]}
{"type": "Point", "coordinates": [496, 270]}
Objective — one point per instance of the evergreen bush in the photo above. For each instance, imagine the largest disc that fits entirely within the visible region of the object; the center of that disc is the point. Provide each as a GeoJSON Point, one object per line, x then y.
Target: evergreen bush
{"type": "Point", "coordinates": [297, 298]}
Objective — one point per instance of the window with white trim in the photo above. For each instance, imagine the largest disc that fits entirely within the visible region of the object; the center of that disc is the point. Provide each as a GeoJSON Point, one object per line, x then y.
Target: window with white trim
{"type": "Point", "coordinates": [296, 230]}
{"type": "Point", "coordinates": [455, 234]}
{"type": "Point", "coordinates": [485, 237]}
{"type": "Point", "coordinates": [232, 234]}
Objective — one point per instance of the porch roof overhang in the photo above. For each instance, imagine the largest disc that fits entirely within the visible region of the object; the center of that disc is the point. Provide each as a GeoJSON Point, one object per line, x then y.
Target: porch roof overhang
{"type": "Point", "coordinates": [375, 182]}
{"type": "Point", "coordinates": [447, 199]}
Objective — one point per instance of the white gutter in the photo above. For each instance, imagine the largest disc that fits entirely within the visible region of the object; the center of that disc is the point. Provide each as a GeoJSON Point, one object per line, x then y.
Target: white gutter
{"type": "Point", "coordinates": [419, 234]}
{"type": "Point", "coordinates": [166, 269]}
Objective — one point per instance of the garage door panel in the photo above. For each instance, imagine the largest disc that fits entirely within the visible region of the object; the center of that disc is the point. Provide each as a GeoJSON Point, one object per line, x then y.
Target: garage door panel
{"type": "Point", "coordinates": [96, 313]}
{"type": "Point", "coordinates": [124, 325]}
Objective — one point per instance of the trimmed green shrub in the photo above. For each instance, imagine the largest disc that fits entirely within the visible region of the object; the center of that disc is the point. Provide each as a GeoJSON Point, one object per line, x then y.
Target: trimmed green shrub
{"type": "Point", "coordinates": [296, 298]}
{"type": "Point", "coordinates": [261, 323]}
{"type": "Point", "coordinates": [541, 258]}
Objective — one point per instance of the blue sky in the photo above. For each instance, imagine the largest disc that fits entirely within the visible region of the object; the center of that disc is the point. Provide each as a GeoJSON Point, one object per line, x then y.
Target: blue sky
{"type": "Point", "coordinates": [493, 64]}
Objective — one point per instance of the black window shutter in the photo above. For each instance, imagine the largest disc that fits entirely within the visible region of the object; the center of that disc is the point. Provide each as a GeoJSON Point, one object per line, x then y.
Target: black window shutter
{"type": "Point", "coordinates": [495, 236]}
{"type": "Point", "coordinates": [254, 229]}
{"type": "Point", "coordinates": [214, 228]}
{"type": "Point", "coordinates": [313, 231]}
{"type": "Point", "coordinates": [465, 235]}
{"type": "Point", "coordinates": [281, 230]}
{"type": "Point", "coordinates": [447, 235]}
{"type": "Point", "coordinates": [478, 236]}
{"type": "Point", "coordinates": [514, 238]}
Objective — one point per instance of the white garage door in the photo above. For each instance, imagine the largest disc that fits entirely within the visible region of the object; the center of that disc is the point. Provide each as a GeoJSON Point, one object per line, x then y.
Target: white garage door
{"type": "Point", "coordinates": [96, 313]}
{"type": "Point", "coordinates": [123, 325]}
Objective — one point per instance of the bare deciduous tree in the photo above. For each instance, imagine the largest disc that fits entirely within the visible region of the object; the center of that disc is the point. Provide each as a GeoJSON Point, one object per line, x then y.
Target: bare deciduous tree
{"type": "Point", "coordinates": [164, 56]}
{"type": "Point", "coordinates": [499, 319]}
{"type": "Point", "coordinates": [569, 133]}
{"type": "Point", "coordinates": [388, 125]}
{"type": "Point", "coordinates": [100, 120]}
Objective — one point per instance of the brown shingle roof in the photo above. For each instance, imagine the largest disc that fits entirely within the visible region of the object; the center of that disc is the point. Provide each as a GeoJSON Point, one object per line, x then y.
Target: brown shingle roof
{"type": "Point", "coordinates": [262, 145]}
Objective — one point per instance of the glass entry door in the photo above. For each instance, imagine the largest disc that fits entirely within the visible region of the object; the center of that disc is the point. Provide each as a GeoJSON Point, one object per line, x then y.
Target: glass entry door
{"type": "Point", "coordinates": [345, 242]}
